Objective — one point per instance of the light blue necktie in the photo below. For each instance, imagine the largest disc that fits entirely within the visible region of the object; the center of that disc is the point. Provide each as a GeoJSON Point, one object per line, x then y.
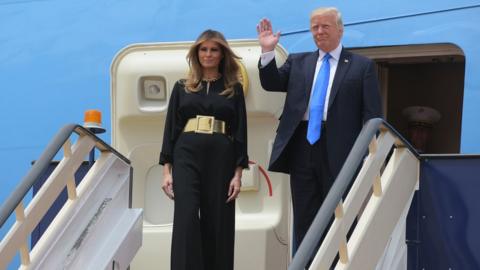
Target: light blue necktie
{"type": "Point", "coordinates": [317, 101]}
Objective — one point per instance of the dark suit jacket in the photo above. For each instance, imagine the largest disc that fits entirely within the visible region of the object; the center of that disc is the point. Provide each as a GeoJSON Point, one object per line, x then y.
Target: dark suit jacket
{"type": "Point", "coordinates": [354, 98]}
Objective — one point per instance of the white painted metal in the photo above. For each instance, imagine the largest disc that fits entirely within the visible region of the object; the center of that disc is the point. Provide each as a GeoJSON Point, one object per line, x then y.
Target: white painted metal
{"type": "Point", "coordinates": [40, 204]}
{"type": "Point", "coordinates": [382, 214]}
{"type": "Point", "coordinates": [353, 202]}
{"type": "Point", "coordinates": [95, 229]}
{"type": "Point", "coordinates": [395, 254]}
{"type": "Point", "coordinates": [378, 240]}
{"type": "Point", "coordinates": [90, 231]}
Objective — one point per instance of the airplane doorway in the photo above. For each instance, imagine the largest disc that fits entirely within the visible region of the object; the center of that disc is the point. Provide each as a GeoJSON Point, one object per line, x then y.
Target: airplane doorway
{"type": "Point", "coordinates": [429, 75]}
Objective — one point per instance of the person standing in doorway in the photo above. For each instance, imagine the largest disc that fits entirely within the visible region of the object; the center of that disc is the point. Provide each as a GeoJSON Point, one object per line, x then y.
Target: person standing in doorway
{"type": "Point", "coordinates": [204, 152]}
{"type": "Point", "coordinates": [331, 93]}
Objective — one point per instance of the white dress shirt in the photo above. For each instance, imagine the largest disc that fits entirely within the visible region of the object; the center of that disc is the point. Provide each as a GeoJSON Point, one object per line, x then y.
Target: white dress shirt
{"type": "Point", "coordinates": [266, 57]}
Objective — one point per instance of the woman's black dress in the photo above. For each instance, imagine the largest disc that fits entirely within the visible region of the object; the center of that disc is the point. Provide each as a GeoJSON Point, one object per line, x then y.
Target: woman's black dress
{"type": "Point", "coordinates": [203, 165]}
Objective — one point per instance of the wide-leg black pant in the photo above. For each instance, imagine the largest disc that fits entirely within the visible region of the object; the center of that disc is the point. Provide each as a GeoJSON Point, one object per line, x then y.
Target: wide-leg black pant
{"type": "Point", "coordinates": [203, 223]}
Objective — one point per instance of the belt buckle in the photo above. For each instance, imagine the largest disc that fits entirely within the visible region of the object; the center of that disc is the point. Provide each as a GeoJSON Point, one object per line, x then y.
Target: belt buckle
{"type": "Point", "coordinates": [204, 124]}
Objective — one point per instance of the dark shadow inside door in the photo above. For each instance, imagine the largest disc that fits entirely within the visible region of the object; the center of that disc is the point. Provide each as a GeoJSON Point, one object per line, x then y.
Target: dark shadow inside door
{"type": "Point", "coordinates": [430, 76]}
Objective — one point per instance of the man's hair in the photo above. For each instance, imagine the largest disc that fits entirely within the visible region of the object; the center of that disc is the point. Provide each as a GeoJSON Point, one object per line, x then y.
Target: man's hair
{"type": "Point", "coordinates": [328, 10]}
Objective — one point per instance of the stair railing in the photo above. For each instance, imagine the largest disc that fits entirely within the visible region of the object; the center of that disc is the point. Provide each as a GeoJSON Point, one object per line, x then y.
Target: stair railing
{"type": "Point", "coordinates": [379, 189]}
{"type": "Point", "coordinates": [27, 218]}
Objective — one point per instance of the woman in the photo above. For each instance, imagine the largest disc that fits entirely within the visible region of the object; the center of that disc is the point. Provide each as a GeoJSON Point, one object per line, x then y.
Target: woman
{"type": "Point", "coordinates": [204, 152]}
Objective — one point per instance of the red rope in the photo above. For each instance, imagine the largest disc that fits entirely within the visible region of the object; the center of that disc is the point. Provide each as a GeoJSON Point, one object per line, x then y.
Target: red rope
{"type": "Point", "coordinates": [267, 179]}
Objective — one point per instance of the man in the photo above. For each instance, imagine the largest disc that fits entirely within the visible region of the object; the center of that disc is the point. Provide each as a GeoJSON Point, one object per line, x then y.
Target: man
{"type": "Point", "coordinates": [330, 94]}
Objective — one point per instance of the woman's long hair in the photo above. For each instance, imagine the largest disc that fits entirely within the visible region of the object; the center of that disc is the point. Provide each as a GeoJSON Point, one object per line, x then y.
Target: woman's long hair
{"type": "Point", "coordinates": [228, 66]}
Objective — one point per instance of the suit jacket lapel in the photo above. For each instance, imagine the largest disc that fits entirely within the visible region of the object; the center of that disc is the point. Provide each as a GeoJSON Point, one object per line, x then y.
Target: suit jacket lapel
{"type": "Point", "coordinates": [342, 68]}
{"type": "Point", "coordinates": [310, 65]}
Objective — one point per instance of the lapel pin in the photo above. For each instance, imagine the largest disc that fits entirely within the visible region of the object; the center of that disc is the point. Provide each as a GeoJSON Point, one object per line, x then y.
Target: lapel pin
{"type": "Point", "coordinates": [345, 60]}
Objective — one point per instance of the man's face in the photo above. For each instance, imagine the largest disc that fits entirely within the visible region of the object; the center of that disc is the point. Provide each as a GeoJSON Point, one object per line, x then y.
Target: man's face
{"type": "Point", "coordinates": [326, 33]}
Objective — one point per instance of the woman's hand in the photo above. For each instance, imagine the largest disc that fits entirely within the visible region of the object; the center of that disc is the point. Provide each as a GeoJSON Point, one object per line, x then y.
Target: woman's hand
{"type": "Point", "coordinates": [267, 39]}
{"type": "Point", "coordinates": [235, 184]}
{"type": "Point", "coordinates": [167, 185]}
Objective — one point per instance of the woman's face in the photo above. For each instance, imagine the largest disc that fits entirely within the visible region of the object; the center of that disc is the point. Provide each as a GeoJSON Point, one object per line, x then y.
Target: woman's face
{"type": "Point", "coordinates": [209, 54]}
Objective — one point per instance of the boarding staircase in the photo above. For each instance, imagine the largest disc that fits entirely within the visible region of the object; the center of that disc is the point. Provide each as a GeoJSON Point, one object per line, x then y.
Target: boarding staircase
{"type": "Point", "coordinates": [402, 210]}
{"type": "Point", "coordinates": [96, 228]}
{"type": "Point", "coordinates": [368, 229]}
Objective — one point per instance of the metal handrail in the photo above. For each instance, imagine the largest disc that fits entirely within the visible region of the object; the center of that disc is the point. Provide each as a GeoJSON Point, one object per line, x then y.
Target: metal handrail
{"type": "Point", "coordinates": [42, 164]}
{"type": "Point", "coordinates": [340, 185]}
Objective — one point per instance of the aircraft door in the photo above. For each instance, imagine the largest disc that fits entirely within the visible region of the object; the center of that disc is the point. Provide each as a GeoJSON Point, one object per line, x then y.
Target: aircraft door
{"type": "Point", "coordinates": [142, 77]}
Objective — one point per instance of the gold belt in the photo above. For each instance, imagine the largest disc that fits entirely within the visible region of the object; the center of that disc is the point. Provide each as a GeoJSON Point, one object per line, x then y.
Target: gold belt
{"type": "Point", "coordinates": [205, 124]}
